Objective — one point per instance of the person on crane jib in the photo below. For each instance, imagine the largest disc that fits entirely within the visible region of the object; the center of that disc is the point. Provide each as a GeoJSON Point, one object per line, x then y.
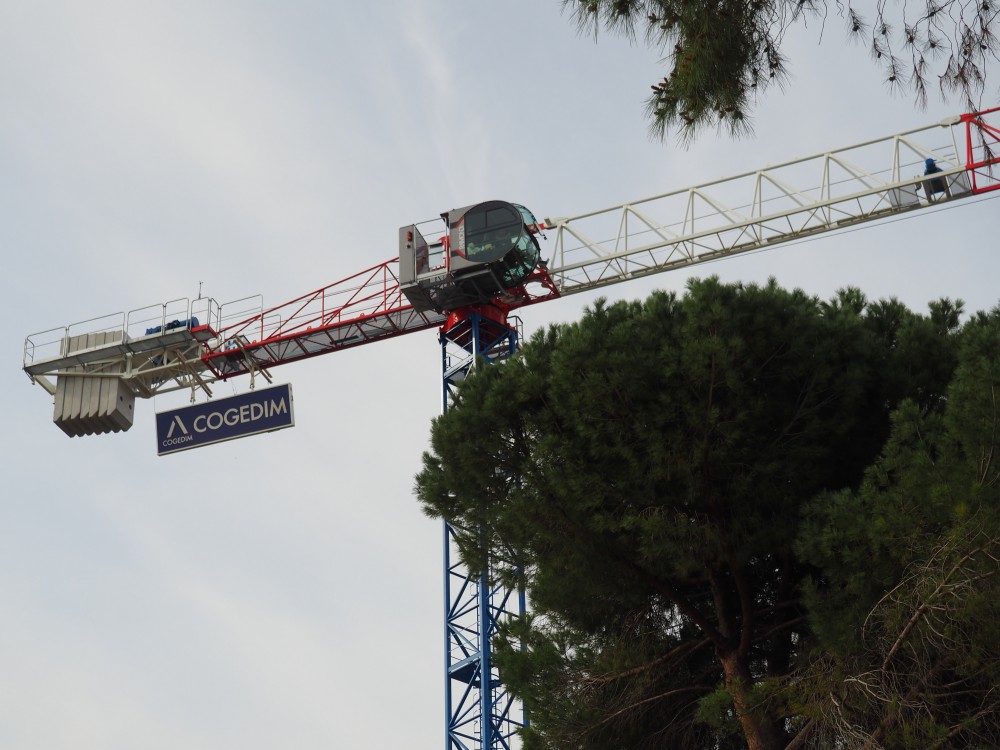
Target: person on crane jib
{"type": "Point", "coordinates": [936, 185]}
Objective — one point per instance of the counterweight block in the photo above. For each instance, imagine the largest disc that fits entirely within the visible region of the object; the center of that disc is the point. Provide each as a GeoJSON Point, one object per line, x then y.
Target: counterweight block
{"type": "Point", "coordinates": [91, 404]}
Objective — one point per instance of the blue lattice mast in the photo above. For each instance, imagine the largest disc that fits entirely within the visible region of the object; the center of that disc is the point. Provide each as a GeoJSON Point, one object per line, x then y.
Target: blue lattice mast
{"type": "Point", "coordinates": [480, 713]}
{"type": "Point", "coordinates": [479, 269]}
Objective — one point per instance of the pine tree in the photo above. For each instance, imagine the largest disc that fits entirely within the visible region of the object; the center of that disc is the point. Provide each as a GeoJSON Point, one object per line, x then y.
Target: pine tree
{"type": "Point", "coordinates": [905, 602]}
{"type": "Point", "coordinates": [644, 472]}
{"type": "Point", "coordinates": [722, 54]}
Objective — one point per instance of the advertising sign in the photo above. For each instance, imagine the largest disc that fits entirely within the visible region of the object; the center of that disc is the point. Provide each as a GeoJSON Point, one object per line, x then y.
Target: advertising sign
{"type": "Point", "coordinates": [224, 419]}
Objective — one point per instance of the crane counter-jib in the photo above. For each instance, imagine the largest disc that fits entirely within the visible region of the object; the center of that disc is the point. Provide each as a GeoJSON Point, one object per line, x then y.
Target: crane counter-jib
{"type": "Point", "coordinates": [192, 342]}
{"type": "Point", "coordinates": [488, 256]}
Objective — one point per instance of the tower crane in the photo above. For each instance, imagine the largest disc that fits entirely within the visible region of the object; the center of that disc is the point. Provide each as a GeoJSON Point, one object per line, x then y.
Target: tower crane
{"type": "Point", "coordinates": [466, 273]}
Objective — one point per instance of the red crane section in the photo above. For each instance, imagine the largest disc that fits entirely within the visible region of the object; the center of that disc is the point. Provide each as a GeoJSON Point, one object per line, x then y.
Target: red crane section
{"type": "Point", "coordinates": [366, 307]}
{"type": "Point", "coordinates": [981, 169]}
{"type": "Point", "coordinates": [362, 308]}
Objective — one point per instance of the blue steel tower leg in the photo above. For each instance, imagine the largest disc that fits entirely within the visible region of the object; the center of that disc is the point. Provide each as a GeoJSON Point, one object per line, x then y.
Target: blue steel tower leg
{"type": "Point", "coordinates": [480, 713]}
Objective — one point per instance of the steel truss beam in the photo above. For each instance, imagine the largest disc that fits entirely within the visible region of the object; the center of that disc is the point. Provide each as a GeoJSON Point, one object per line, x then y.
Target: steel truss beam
{"type": "Point", "coordinates": [795, 200]}
{"type": "Point", "coordinates": [790, 201]}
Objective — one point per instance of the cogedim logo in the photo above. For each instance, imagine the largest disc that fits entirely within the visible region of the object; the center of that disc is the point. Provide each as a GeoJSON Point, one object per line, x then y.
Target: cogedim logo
{"type": "Point", "coordinates": [177, 424]}
{"type": "Point", "coordinates": [231, 418]}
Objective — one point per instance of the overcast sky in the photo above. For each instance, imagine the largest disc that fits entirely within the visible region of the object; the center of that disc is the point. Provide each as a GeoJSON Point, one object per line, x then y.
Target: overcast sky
{"type": "Point", "coordinates": [285, 590]}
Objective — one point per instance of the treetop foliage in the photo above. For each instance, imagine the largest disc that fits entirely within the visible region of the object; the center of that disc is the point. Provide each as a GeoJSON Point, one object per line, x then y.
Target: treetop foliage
{"type": "Point", "coordinates": [723, 54]}
{"type": "Point", "coordinates": [905, 599]}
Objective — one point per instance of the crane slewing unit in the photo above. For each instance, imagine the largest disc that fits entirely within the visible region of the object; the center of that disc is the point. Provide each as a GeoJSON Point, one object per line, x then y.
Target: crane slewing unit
{"type": "Point", "coordinates": [465, 274]}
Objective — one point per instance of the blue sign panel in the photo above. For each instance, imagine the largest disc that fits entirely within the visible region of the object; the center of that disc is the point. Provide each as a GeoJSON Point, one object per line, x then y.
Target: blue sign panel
{"type": "Point", "coordinates": [224, 419]}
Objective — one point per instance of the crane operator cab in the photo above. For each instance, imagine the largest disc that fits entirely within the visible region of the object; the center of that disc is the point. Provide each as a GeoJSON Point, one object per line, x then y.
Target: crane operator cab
{"type": "Point", "coordinates": [488, 248]}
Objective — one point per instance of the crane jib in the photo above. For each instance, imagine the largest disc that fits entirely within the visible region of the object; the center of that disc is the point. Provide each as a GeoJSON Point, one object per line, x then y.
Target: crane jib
{"type": "Point", "coordinates": [486, 258]}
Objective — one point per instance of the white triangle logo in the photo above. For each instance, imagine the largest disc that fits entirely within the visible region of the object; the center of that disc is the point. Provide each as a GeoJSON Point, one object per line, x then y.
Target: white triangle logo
{"type": "Point", "coordinates": [176, 422]}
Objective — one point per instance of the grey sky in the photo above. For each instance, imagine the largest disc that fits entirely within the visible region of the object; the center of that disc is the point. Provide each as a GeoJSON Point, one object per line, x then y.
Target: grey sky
{"type": "Point", "coordinates": [285, 590]}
